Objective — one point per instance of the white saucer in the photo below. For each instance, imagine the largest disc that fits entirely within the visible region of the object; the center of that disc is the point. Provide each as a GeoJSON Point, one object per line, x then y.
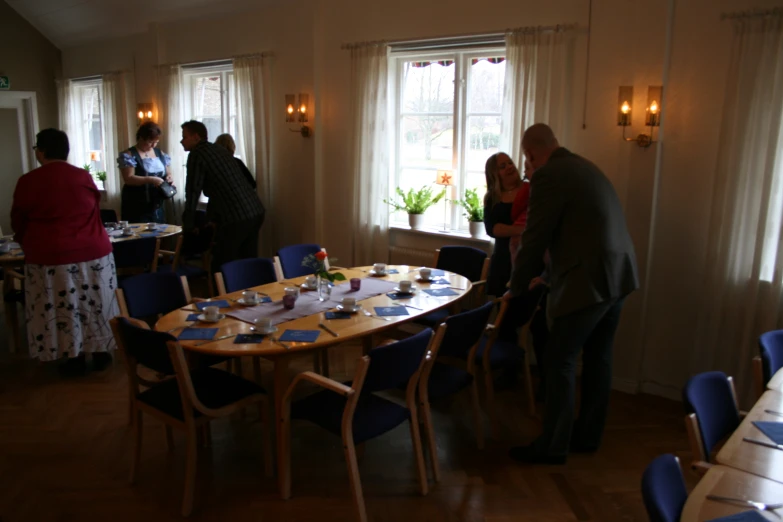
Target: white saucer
{"type": "Point", "coordinates": [373, 273]}
{"type": "Point", "coordinates": [204, 319]}
{"type": "Point", "coordinates": [242, 301]}
{"type": "Point", "coordinates": [414, 289]}
{"type": "Point", "coordinates": [353, 310]}
{"type": "Point", "coordinates": [429, 279]}
{"type": "Point", "coordinates": [264, 331]}
{"type": "Point", "coordinates": [304, 286]}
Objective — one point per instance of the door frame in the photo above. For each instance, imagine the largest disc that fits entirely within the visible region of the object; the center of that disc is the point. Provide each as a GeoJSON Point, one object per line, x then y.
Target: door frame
{"type": "Point", "coordinates": [26, 105]}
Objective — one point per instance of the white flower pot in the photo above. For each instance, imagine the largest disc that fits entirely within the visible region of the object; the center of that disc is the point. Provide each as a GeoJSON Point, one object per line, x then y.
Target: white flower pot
{"type": "Point", "coordinates": [476, 228]}
{"type": "Point", "coordinates": [416, 221]}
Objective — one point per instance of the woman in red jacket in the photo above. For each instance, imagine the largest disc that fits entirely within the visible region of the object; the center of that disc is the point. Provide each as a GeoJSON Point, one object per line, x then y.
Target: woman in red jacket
{"type": "Point", "coordinates": [69, 267]}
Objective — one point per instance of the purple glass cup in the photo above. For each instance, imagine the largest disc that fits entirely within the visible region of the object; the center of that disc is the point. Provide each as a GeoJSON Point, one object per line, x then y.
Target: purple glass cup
{"type": "Point", "coordinates": [289, 301]}
{"type": "Point", "coordinates": [356, 284]}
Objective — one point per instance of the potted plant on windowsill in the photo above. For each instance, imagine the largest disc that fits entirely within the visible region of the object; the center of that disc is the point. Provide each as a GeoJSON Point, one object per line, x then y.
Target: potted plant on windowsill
{"type": "Point", "coordinates": [474, 211]}
{"type": "Point", "coordinates": [415, 203]}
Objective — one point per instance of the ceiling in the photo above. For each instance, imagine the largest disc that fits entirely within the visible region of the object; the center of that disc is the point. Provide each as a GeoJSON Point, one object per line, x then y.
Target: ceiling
{"type": "Point", "coordinates": [72, 22]}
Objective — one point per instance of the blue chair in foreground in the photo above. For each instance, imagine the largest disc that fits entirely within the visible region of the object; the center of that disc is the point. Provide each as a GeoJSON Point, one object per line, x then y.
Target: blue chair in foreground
{"type": "Point", "coordinates": [353, 411]}
{"type": "Point", "coordinates": [663, 489]}
{"type": "Point", "coordinates": [288, 261]}
{"type": "Point", "coordinates": [243, 274]}
{"type": "Point", "coordinates": [188, 402]}
{"type": "Point", "coordinates": [712, 414]}
{"type": "Point", "coordinates": [769, 361]}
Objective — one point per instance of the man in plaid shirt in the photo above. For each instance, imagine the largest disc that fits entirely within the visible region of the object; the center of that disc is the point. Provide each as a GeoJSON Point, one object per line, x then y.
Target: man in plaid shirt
{"type": "Point", "coordinates": [233, 205]}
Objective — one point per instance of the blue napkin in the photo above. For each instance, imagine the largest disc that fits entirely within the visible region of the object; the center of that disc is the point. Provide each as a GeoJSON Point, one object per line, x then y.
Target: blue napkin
{"type": "Point", "coordinates": [386, 311]}
{"type": "Point", "coordinates": [773, 430]}
{"type": "Point", "coordinates": [192, 317]}
{"type": "Point", "coordinates": [300, 336]}
{"type": "Point", "coordinates": [440, 292]}
{"type": "Point", "coordinates": [220, 304]}
{"type": "Point", "coordinates": [398, 295]}
{"type": "Point", "coordinates": [337, 315]}
{"type": "Point", "coordinates": [745, 516]}
{"type": "Point", "coordinates": [248, 339]}
{"type": "Point", "coordinates": [195, 334]}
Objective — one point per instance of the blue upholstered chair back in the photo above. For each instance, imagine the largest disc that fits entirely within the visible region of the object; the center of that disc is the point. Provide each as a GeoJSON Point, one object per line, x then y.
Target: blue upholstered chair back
{"type": "Point", "coordinates": [135, 253]}
{"type": "Point", "coordinates": [151, 294]}
{"type": "Point", "coordinates": [464, 330]}
{"type": "Point", "coordinates": [710, 397]}
{"type": "Point", "coordinates": [108, 215]}
{"type": "Point", "coordinates": [291, 259]}
{"type": "Point", "coordinates": [463, 260]}
{"type": "Point", "coordinates": [663, 489]}
{"type": "Point", "coordinates": [246, 273]}
{"type": "Point", "coordinates": [394, 364]}
{"type": "Point", "coordinates": [147, 347]}
{"type": "Point", "coordinates": [771, 348]}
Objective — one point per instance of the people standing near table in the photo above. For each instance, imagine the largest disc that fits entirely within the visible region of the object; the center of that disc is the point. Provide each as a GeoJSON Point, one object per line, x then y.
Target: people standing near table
{"type": "Point", "coordinates": [69, 267]}
{"type": "Point", "coordinates": [233, 205]}
{"type": "Point", "coordinates": [144, 168]}
{"type": "Point", "coordinates": [228, 143]}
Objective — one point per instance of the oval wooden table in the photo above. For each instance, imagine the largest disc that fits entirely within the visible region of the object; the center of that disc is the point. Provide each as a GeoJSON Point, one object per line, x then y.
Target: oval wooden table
{"type": "Point", "coordinates": [139, 232]}
{"type": "Point", "coordinates": [729, 482]}
{"type": "Point", "coordinates": [359, 326]}
{"type": "Point", "coordinates": [776, 381]}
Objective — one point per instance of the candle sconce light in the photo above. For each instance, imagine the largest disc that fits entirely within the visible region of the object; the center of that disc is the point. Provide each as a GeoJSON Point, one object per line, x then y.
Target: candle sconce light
{"type": "Point", "coordinates": [144, 112]}
{"type": "Point", "coordinates": [297, 112]}
{"type": "Point", "coordinates": [652, 117]}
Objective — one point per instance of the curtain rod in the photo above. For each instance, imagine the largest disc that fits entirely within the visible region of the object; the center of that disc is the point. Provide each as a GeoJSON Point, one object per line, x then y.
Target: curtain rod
{"type": "Point", "coordinates": [95, 76]}
{"type": "Point", "coordinates": [223, 61]}
{"type": "Point", "coordinates": [752, 13]}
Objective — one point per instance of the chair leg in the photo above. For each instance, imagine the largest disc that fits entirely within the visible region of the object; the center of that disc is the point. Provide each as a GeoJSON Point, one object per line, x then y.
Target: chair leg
{"type": "Point", "coordinates": [316, 362]}
{"type": "Point", "coordinates": [284, 457]}
{"type": "Point", "coordinates": [421, 467]}
{"type": "Point", "coordinates": [490, 398]}
{"type": "Point", "coordinates": [137, 438]}
{"type": "Point", "coordinates": [426, 414]}
{"type": "Point", "coordinates": [355, 479]}
{"type": "Point", "coordinates": [257, 370]}
{"type": "Point", "coordinates": [238, 366]}
{"type": "Point", "coordinates": [477, 415]}
{"type": "Point", "coordinates": [325, 362]}
{"type": "Point", "coordinates": [266, 427]}
{"type": "Point", "coordinates": [169, 438]}
{"type": "Point", "coordinates": [531, 398]}
{"type": "Point", "coordinates": [191, 454]}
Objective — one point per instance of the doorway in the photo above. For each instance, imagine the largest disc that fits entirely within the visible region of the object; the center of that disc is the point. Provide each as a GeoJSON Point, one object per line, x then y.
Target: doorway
{"type": "Point", "coordinates": [18, 125]}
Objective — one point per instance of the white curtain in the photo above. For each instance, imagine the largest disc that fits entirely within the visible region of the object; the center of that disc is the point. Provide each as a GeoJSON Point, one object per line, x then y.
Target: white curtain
{"type": "Point", "coordinates": [252, 84]}
{"type": "Point", "coordinates": [370, 152]}
{"type": "Point", "coordinates": [116, 131]}
{"type": "Point", "coordinates": [539, 75]}
{"type": "Point", "coordinates": [742, 295]}
{"type": "Point", "coordinates": [71, 116]}
{"type": "Point", "coordinates": [170, 118]}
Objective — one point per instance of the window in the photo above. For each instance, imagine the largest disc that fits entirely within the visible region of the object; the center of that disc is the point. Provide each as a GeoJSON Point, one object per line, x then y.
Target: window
{"type": "Point", "coordinates": [89, 144]}
{"type": "Point", "coordinates": [210, 98]}
{"type": "Point", "coordinates": [448, 112]}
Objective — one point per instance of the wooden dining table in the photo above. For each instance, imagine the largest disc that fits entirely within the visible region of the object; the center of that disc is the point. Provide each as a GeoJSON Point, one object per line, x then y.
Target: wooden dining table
{"type": "Point", "coordinates": [358, 327]}
{"type": "Point", "coordinates": [776, 381]}
{"type": "Point", "coordinates": [753, 458]}
{"type": "Point", "coordinates": [729, 482]}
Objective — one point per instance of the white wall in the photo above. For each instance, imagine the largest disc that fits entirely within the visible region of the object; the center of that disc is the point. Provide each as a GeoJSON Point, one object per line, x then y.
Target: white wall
{"type": "Point", "coordinates": [311, 178]}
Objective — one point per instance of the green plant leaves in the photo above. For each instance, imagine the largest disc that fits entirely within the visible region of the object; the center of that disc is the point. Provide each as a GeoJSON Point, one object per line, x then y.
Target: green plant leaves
{"type": "Point", "coordinates": [416, 201]}
{"type": "Point", "coordinates": [474, 208]}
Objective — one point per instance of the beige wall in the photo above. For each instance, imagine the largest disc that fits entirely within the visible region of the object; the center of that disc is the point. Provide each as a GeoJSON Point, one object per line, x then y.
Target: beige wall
{"type": "Point", "coordinates": [312, 180]}
{"type": "Point", "coordinates": [31, 61]}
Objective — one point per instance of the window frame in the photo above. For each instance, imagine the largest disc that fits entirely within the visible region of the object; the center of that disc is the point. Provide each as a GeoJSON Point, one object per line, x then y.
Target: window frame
{"type": "Point", "coordinates": [80, 85]}
{"type": "Point", "coordinates": [190, 74]}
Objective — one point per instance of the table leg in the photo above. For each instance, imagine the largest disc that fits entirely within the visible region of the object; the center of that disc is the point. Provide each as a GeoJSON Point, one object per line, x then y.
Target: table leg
{"type": "Point", "coordinates": [367, 344]}
{"type": "Point", "coordinates": [281, 383]}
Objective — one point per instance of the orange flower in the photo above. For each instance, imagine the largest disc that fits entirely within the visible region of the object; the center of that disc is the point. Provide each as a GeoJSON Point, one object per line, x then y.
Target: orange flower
{"type": "Point", "coordinates": [320, 256]}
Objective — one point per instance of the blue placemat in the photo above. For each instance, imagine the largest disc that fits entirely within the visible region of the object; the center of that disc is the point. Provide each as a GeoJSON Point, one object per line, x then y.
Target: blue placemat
{"type": "Point", "coordinates": [300, 336]}
{"type": "Point", "coordinates": [220, 304]}
{"type": "Point", "coordinates": [773, 430]}
{"type": "Point", "coordinates": [440, 292]}
{"type": "Point", "coordinates": [192, 317]}
{"type": "Point", "coordinates": [745, 516]}
{"type": "Point", "coordinates": [399, 295]}
{"type": "Point", "coordinates": [195, 334]}
{"type": "Point", "coordinates": [248, 339]}
{"type": "Point", "coordinates": [337, 315]}
{"type": "Point", "coordinates": [387, 311]}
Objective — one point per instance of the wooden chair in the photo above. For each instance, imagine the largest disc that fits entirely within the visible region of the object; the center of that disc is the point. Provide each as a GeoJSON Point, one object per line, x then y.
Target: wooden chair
{"type": "Point", "coordinates": [288, 261]}
{"type": "Point", "coordinates": [771, 356]}
{"type": "Point", "coordinates": [195, 260]}
{"type": "Point", "coordinates": [663, 489]}
{"type": "Point", "coordinates": [245, 273]}
{"type": "Point", "coordinates": [136, 256]}
{"type": "Point", "coordinates": [759, 383]}
{"type": "Point", "coordinates": [188, 402]}
{"type": "Point", "coordinates": [169, 259]}
{"type": "Point", "coordinates": [355, 412]}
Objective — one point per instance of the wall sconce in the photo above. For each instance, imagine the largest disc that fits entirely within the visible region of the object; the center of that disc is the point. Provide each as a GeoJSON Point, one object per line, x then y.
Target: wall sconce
{"type": "Point", "coordinates": [144, 112]}
{"type": "Point", "coordinates": [445, 178]}
{"type": "Point", "coordinates": [297, 112]}
{"type": "Point", "coordinates": [652, 113]}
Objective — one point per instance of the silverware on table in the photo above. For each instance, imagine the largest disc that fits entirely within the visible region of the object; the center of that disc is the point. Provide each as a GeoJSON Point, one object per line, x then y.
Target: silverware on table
{"type": "Point", "coordinates": [178, 327]}
{"type": "Point", "coordinates": [763, 443]}
{"type": "Point", "coordinates": [368, 314]}
{"type": "Point", "coordinates": [327, 329]}
{"type": "Point", "coordinates": [216, 339]}
{"type": "Point", "coordinates": [411, 306]}
{"type": "Point", "coordinates": [773, 412]}
{"type": "Point", "coordinates": [761, 506]}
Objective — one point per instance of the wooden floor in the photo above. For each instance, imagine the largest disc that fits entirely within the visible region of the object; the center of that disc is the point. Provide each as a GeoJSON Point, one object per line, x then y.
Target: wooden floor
{"type": "Point", "coordinates": [65, 454]}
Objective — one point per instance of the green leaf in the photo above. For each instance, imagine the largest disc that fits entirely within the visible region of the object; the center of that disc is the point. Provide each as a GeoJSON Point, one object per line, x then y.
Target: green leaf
{"type": "Point", "coordinates": [415, 201]}
{"type": "Point", "coordinates": [338, 277]}
{"type": "Point", "coordinates": [474, 208]}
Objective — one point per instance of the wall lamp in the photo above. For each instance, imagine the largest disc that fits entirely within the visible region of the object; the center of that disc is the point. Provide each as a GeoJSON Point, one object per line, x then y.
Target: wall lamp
{"type": "Point", "coordinates": [652, 112]}
{"type": "Point", "coordinates": [297, 112]}
{"type": "Point", "coordinates": [144, 112]}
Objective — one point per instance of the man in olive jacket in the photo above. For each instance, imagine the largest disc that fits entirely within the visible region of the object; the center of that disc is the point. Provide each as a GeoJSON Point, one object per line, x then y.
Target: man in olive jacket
{"type": "Point", "coordinates": [575, 214]}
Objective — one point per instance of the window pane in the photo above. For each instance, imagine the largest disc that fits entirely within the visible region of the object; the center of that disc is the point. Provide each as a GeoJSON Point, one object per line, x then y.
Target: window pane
{"type": "Point", "coordinates": [485, 85]}
{"type": "Point", "coordinates": [232, 106]}
{"type": "Point", "coordinates": [207, 104]}
{"type": "Point", "coordinates": [428, 88]}
{"type": "Point", "coordinates": [482, 140]}
{"type": "Point", "coordinates": [427, 141]}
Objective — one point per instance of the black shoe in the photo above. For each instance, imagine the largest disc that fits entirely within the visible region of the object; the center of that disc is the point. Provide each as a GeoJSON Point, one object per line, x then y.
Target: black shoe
{"type": "Point", "coordinates": [529, 455]}
{"type": "Point", "coordinates": [73, 367]}
{"type": "Point", "coordinates": [100, 360]}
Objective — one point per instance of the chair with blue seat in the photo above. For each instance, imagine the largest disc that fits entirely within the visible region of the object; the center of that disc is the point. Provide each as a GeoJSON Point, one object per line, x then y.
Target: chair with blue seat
{"type": "Point", "coordinates": [354, 411]}
{"type": "Point", "coordinates": [192, 257]}
{"type": "Point", "coordinates": [288, 261]}
{"type": "Point", "coordinates": [244, 273]}
{"type": "Point", "coordinates": [454, 369]}
{"type": "Point", "coordinates": [187, 402]}
{"type": "Point", "coordinates": [108, 215]}
{"type": "Point", "coordinates": [712, 414]}
{"type": "Point", "coordinates": [663, 489]}
{"type": "Point", "coordinates": [769, 360]}
{"type": "Point", "coordinates": [136, 255]}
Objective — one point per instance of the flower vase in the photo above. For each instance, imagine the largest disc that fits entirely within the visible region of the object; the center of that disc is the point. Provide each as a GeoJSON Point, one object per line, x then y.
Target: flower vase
{"type": "Point", "coordinates": [324, 290]}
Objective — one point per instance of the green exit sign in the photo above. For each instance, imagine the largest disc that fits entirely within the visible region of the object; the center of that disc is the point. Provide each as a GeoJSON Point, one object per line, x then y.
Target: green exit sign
{"type": "Point", "coordinates": [5, 83]}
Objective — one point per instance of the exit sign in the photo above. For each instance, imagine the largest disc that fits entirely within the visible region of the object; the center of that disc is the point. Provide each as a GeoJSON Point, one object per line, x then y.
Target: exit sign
{"type": "Point", "coordinates": [5, 83]}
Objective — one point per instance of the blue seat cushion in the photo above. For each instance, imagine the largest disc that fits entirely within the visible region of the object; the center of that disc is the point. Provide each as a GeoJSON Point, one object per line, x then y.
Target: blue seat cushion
{"type": "Point", "coordinates": [503, 354]}
{"type": "Point", "coordinates": [446, 379]}
{"type": "Point", "coordinates": [373, 416]}
{"type": "Point", "coordinates": [214, 388]}
{"type": "Point", "coordinates": [435, 318]}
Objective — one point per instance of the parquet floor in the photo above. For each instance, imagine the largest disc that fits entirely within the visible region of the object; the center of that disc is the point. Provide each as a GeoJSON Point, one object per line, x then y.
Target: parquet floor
{"type": "Point", "coordinates": [65, 448]}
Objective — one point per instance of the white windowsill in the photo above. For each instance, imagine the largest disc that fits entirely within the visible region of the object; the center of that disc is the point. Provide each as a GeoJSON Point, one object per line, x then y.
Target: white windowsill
{"type": "Point", "coordinates": [439, 233]}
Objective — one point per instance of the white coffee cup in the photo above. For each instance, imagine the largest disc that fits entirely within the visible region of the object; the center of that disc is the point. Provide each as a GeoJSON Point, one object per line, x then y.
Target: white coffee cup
{"type": "Point", "coordinates": [123, 224]}
{"type": "Point", "coordinates": [425, 273]}
{"type": "Point", "coordinates": [405, 286]}
{"type": "Point", "coordinates": [151, 226]}
{"type": "Point", "coordinates": [292, 290]}
{"type": "Point", "coordinates": [211, 313]}
{"type": "Point", "coordinates": [127, 231]}
{"type": "Point", "coordinates": [311, 281]}
{"type": "Point", "coordinates": [263, 323]}
{"type": "Point", "coordinates": [349, 302]}
{"type": "Point", "coordinates": [379, 268]}
{"type": "Point", "coordinates": [250, 296]}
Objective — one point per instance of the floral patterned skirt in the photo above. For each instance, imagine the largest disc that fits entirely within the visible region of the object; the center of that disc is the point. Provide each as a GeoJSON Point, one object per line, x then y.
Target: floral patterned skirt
{"type": "Point", "coordinates": [68, 308]}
